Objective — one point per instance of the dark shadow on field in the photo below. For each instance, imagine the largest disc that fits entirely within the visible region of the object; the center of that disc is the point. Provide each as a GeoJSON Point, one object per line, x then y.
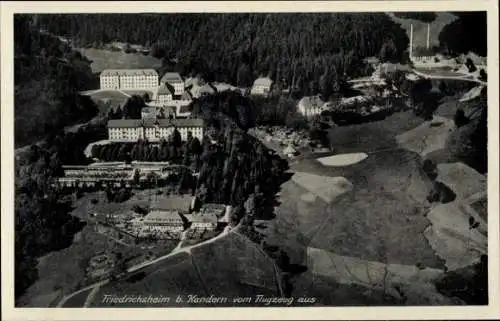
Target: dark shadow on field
{"type": "Point", "coordinates": [136, 277]}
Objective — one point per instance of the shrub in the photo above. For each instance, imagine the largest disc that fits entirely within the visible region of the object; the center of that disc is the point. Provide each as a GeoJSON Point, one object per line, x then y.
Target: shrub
{"type": "Point", "coordinates": [460, 119]}
{"type": "Point", "coordinates": [139, 210]}
{"type": "Point", "coordinates": [123, 195]}
{"type": "Point", "coordinates": [94, 201]}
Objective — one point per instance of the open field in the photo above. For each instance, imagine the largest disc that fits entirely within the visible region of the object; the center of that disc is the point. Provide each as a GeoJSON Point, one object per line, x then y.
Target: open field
{"type": "Point", "coordinates": [452, 238]}
{"type": "Point", "coordinates": [107, 99]}
{"type": "Point", "coordinates": [106, 59]}
{"type": "Point", "coordinates": [462, 179]}
{"type": "Point", "coordinates": [327, 188]}
{"type": "Point", "coordinates": [345, 269]}
{"type": "Point", "coordinates": [231, 261]}
{"type": "Point", "coordinates": [382, 219]}
{"type": "Point", "coordinates": [372, 136]}
{"type": "Point", "coordinates": [428, 137]}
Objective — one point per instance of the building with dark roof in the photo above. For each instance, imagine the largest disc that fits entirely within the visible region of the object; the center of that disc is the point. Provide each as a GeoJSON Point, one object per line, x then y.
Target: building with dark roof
{"type": "Point", "coordinates": [124, 130]}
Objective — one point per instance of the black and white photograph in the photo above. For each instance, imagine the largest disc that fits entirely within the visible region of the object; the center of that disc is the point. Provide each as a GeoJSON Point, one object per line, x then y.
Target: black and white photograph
{"type": "Point", "coordinates": [250, 159]}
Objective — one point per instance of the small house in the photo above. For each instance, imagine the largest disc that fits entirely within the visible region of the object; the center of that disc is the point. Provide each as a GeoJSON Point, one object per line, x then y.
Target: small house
{"type": "Point", "coordinates": [261, 86]}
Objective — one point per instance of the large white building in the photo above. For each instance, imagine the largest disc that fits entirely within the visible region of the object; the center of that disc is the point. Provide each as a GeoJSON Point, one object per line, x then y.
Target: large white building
{"type": "Point", "coordinates": [130, 130]}
{"type": "Point", "coordinates": [175, 80]}
{"type": "Point", "coordinates": [128, 79]}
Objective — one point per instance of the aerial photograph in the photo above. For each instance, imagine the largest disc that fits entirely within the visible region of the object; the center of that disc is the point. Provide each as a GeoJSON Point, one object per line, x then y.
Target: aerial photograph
{"type": "Point", "coordinates": [314, 159]}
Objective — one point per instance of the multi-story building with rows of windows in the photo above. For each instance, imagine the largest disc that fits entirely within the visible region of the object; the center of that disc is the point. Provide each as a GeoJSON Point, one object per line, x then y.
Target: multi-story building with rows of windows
{"type": "Point", "coordinates": [128, 79]}
{"type": "Point", "coordinates": [175, 80]}
{"type": "Point", "coordinates": [130, 130]}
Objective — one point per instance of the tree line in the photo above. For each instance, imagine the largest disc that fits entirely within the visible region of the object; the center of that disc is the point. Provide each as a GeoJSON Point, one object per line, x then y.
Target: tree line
{"type": "Point", "coordinates": [295, 50]}
{"type": "Point", "coordinates": [171, 149]}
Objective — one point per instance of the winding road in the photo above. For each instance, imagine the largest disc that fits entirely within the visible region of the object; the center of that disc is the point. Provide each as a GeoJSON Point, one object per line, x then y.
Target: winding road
{"type": "Point", "coordinates": [462, 77]}
{"type": "Point", "coordinates": [95, 287]}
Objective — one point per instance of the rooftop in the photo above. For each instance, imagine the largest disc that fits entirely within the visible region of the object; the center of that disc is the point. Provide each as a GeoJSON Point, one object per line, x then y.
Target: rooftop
{"type": "Point", "coordinates": [164, 90]}
{"type": "Point", "coordinates": [134, 123]}
{"type": "Point", "coordinates": [263, 81]}
{"type": "Point", "coordinates": [129, 72]}
{"type": "Point", "coordinates": [172, 77]}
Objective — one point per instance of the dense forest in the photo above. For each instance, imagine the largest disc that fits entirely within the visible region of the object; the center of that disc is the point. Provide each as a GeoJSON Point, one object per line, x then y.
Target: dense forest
{"type": "Point", "coordinates": [47, 78]}
{"type": "Point", "coordinates": [467, 33]}
{"type": "Point", "coordinates": [294, 49]}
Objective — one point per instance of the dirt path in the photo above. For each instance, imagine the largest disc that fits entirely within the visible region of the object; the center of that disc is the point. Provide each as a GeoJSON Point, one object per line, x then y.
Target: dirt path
{"type": "Point", "coordinates": [95, 287]}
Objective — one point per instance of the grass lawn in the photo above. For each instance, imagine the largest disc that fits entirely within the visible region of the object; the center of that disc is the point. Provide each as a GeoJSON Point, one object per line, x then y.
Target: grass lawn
{"type": "Point", "coordinates": [108, 98]}
{"type": "Point", "coordinates": [232, 261]}
{"type": "Point", "coordinates": [106, 59]}
{"type": "Point", "coordinates": [372, 136]}
{"type": "Point", "coordinates": [382, 219]}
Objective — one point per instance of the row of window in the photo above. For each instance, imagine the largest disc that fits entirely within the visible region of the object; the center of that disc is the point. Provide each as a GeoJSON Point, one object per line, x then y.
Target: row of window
{"type": "Point", "coordinates": [116, 134]}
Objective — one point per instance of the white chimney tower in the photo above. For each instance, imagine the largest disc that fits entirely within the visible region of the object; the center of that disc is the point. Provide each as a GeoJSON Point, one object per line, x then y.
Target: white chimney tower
{"type": "Point", "coordinates": [428, 35]}
{"type": "Point", "coordinates": [411, 42]}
